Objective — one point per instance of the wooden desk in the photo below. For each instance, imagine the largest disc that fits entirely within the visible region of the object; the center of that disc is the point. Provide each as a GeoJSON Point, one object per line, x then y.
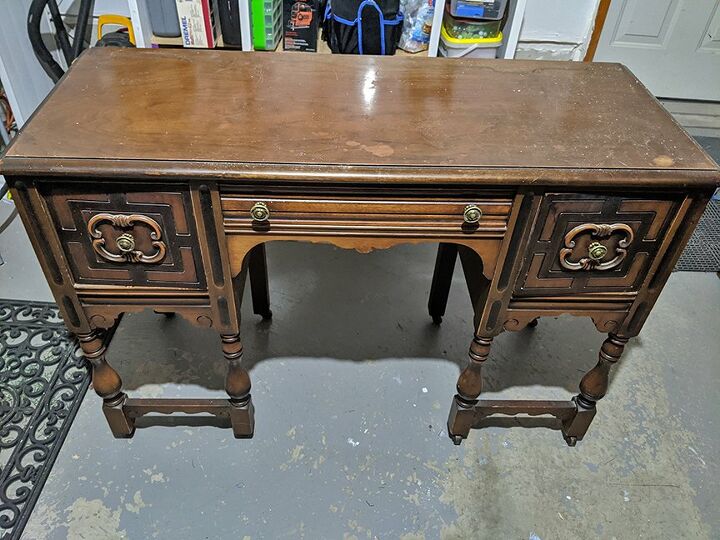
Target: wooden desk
{"type": "Point", "coordinates": [151, 179]}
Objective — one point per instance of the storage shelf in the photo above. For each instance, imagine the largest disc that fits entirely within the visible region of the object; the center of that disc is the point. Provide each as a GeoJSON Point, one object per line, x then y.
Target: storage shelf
{"type": "Point", "coordinates": [160, 41]}
{"type": "Point", "coordinates": [166, 41]}
{"type": "Point", "coordinates": [511, 31]}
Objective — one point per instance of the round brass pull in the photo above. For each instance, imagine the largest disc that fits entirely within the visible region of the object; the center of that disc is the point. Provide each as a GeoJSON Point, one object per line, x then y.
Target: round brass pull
{"type": "Point", "coordinates": [596, 251]}
{"type": "Point", "coordinates": [125, 243]}
{"type": "Point", "coordinates": [260, 211]}
{"type": "Point", "coordinates": [472, 213]}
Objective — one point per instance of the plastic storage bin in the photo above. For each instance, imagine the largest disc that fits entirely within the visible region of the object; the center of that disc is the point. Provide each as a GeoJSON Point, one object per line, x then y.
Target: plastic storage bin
{"type": "Point", "coordinates": [164, 18]}
{"type": "Point", "coordinates": [266, 24]}
{"type": "Point", "coordinates": [460, 28]}
{"type": "Point", "coordinates": [468, 48]}
{"type": "Point", "coordinates": [478, 9]}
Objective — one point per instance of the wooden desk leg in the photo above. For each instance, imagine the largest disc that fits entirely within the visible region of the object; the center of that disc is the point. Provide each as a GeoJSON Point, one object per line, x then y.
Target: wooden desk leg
{"type": "Point", "coordinates": [469, 386]}
{"type": "Point", "coordinates": [441, 281]}
{"type": "Point", "coordinates": [257, 263]}
{"type": "Point", "coordinates": [107, 384]}
{"type": "Point", "coordinates": [593, 387]}
{"type": "Point", "coordinates": [237, 386]}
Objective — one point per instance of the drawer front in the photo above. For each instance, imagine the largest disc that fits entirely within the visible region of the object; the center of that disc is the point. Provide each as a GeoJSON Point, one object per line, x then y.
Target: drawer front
{"type": "Point", "coordinates": [138, 238]}
{"type": "Point", "coordinates": [366, 216]}
{"type": "Point", "coordinates": [591, 243]}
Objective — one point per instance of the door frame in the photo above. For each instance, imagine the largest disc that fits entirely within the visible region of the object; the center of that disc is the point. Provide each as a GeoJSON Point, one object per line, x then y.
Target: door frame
{"type": "Point", "coordinates": [600, 18]}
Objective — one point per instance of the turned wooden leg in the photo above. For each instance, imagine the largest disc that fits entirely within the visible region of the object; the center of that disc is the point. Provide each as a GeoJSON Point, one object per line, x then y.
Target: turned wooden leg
{"type": "Point", "coordinates": [257, 263]}
{"type": "Point", "coordinates": [237, 386]}
{"type": "Point", "coordinates": [469, 386]}
{"type": "Point", "coordinates": [593, 387]}
{"type": "Point", "coordinates": [107, 384]}
{"type": "Point", "coordinates": [441, 281]}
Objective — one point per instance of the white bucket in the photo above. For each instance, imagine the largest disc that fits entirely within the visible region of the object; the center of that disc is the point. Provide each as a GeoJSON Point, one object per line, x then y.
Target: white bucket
{"type": "Point", "coordinates": [468, 48]}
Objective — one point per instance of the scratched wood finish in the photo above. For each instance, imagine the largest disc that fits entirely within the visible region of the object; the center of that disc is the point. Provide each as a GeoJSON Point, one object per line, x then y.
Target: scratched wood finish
{"type": "Point", "coordinates": [586, 193]}
{"type": "Point", "coordinates": [342, 110]}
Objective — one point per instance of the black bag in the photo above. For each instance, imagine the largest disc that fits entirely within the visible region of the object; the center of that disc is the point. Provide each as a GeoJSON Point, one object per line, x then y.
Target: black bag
{"type": "Point", "coordinates": [362, 26]}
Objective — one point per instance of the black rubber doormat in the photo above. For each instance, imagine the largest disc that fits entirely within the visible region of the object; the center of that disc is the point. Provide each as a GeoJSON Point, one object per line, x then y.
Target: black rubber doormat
{"type": "Point", "coordinates": [702, 254]}
{"type": "Point", "coordinates": [43, 379]}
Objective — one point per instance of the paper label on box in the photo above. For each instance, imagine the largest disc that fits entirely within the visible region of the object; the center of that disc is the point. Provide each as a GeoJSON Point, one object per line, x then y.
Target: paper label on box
{"type": "Point", "coordinates": [192, 24]}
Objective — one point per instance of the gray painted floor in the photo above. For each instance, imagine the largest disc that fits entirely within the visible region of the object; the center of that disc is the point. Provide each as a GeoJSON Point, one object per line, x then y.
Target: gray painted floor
{"type": "Point", "coordinates": [352, 386]}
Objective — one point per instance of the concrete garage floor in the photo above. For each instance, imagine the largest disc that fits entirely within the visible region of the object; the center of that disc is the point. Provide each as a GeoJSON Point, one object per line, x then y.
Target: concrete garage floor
{"type": "Point", "coordinates": [352, 386]}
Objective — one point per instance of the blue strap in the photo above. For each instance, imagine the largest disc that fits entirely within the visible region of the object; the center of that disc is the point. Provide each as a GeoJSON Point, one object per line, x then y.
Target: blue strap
{"type": "Point", "coordinates": [388, 22]}
{"type": "Point", "coordinates": [344, 21]}
{"type": "Point", "coordinates": [398, 19]}
{"type": "Point", "coordinates": [382, 25]}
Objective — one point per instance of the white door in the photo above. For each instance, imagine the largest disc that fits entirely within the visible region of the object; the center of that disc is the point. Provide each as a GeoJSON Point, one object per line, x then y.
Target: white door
{"type": "Point", "coordinates": [672, 46]}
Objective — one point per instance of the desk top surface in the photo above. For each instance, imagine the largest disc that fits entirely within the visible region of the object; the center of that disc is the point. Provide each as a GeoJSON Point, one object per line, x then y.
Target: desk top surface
{"type": "Point", "coordinates": [167, 108]}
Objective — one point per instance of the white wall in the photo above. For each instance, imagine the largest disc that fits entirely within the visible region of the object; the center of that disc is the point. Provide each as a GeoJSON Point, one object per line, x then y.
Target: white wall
{"type": "Point", "coordinates": [557, 29]}
{"type": "Point", "coordinates": [22, 76]}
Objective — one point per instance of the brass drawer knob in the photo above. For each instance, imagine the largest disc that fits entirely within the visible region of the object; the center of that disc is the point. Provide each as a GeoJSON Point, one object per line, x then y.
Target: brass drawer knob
{"type": "Point", "coordinates": [596, 251]}
{"type": "Point", "coordinates": [260, 211]}
{"type": "Point", "coordinates": [125, 242]}
{"type": "Point", "coordinates": [472, 213]}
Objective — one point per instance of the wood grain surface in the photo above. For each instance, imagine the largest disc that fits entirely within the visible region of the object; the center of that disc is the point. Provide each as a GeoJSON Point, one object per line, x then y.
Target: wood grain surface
{"type": "Point", "coordinates": [165, 107]}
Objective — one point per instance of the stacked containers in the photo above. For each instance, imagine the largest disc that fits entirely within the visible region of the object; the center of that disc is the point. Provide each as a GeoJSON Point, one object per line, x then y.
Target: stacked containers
{"type": "Point", "coordinates": [451, 47]}
{"type": "Point", "coordinates": [266, 24]}
{"type": "Point", "coordinates": [471, 28]}
{"type": "Point", "coordinates": [492, 10]}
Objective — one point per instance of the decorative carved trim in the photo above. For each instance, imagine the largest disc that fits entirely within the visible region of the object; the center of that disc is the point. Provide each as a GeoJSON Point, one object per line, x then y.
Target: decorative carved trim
{"type": "Point", "coordinates": [591, 262]}
{"type": "Point", "coordinates": [126, 242]}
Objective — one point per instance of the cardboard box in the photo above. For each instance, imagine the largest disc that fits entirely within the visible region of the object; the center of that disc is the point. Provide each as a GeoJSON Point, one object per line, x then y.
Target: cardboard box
{"type": "Point", "coordinates": [197, 23]}
{"type": "Point", "coordinates": [301, 20]}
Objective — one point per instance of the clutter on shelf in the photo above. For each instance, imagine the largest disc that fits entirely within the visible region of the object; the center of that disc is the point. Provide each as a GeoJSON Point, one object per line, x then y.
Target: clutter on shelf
{"type": "Point", "coordinates": [462, 28]}
{"type": "Point", "coordinates": [300, 25]}
{"type": "Point", "coordinates": [493, 10]}
{"type": "Point", "coordinates": [417, 25]}
{"type": "Point", "coordinates": [267, 24]}
{"type": "Point", "coordinates": [195, 23]}
{"type": "Point", "coordinates": [123, 36]}
{"type": "Point", "coordinates": [377, 27]}
{"type": "Point", "coordinates": [472, 28]}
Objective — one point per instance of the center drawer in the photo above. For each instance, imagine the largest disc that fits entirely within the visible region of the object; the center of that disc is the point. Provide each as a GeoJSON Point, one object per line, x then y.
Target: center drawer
{"type": "Point", "coordinates": [436, 216]}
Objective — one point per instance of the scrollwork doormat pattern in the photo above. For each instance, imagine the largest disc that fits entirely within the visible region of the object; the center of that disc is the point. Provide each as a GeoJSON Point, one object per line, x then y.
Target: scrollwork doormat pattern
{"type": "Point", "coordinates": [43, 379]}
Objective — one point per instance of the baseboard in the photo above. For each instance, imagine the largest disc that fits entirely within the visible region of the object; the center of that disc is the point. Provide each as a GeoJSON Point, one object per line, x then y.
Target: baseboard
{"type": "Point", "coordinates": [700, 118]}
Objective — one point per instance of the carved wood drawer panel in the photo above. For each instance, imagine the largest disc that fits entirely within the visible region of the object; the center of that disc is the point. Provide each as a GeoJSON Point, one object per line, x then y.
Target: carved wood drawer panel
{"type": "Point", "coordinates": [584, 243]}
{"type": "Point", "coordinates": [134, 237]}
{"type": "Point", "coordinates": [345, 215]}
